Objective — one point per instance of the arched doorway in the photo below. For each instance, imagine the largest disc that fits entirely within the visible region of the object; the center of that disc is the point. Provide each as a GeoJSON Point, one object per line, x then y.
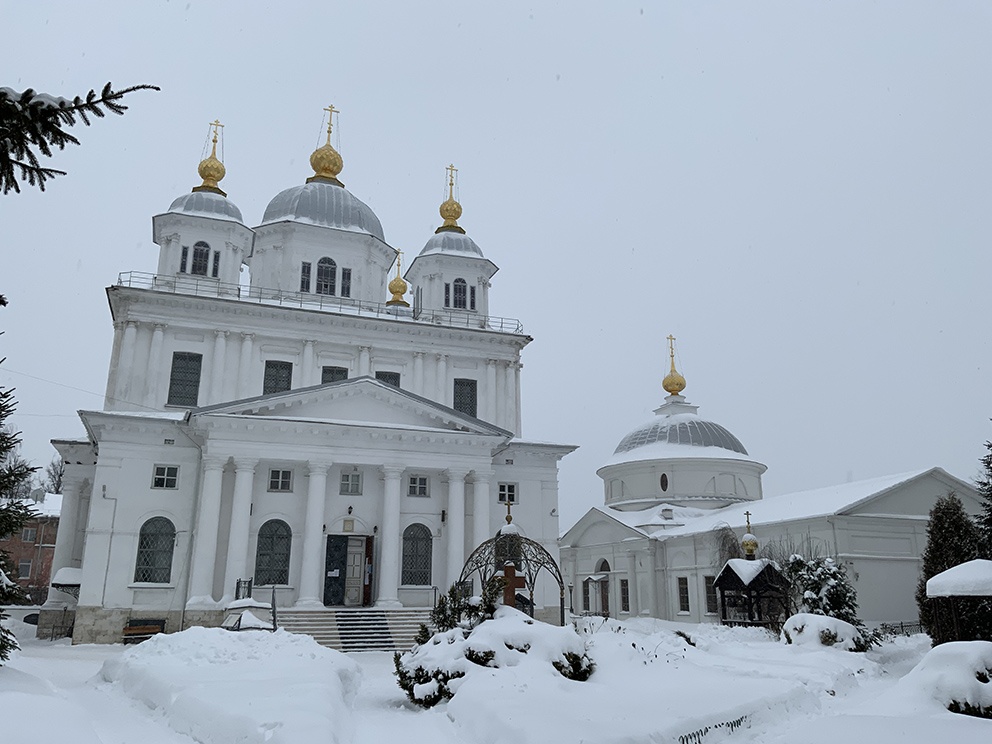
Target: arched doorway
{"type": "Point", "coordinates": [604, 587]}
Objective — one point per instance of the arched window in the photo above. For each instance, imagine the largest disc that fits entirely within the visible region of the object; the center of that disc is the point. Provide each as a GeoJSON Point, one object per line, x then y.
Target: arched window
{"type": "Point", "coordinates": [326, 276]}
{"type": "Point", "coordinates": [272, 556]}
{"type": "Point", "coordinates": [417, 545]}
{"type": "Point", "coordinates": [201, 259]}
{"type": "Point", "coordinates": [156, 542]}
{"type": "Point", "coordinates": [461, 293]}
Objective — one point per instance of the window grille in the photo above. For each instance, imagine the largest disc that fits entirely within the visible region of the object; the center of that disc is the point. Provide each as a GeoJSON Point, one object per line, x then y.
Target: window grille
{"type": "Point", "coordinates": [390, 378]}
{"type": "Point", "coordinates": [471, 298]}
{"type": "Point", "coordinates": [281, 480]}
{"type": "Point", "coordinates": [216, 270]}
{"type": "Point", "coordinates": [585, 595]}
{"type": "Point", "coordinates": [29, 534]}
{"type": "Point", "coordinates": [165, 476]}
{"type": "Point", "coordinates": [24, 570]}
{"type": "Point", "coordinates": [201, 259]}
{"type": "Point", "coordinates": [419, 486]}
{"type": "Point", "coordinates": [447, 295]}
{"type": "Point", "coordinates": [466, 396]}
{"type": "Point", "coordinates": [346, 282]}
{"type": "Point", "coordinates": [326, 276]}
{"type": "Point", "coordinates": [278, 377]}
{"type": "Point", "coordinates": [333, 374]}
{"type": "Point", "coordinates": [156, 542]}
{"type": "Point", "coordinates": [275, 540]}
{"type": "Point", "coordinates": [184, 259]}
{"type": "Point", "coordinates": [683, 583]}
{"type": "Point", "coordinates": [351, 484]}
{"type": "Point", "coordinates": [711, 607]}
{"type": "Point", "coordinates": [508, 492]}
{"type": "Point", "coordinates": [417, 545]}
{"type": "Point", "coordinates": [305, 277]}
{"type": "Point", "coordinates": [624, 595]}
{"type": "Point", "coordinates": [461, 291]}
{"type": "Point", "coordinates": [184, 381]}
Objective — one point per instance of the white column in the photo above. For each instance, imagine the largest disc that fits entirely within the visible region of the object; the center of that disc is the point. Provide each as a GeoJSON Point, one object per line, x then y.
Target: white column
{"type": "Point", "coordinates": [512, 395]}
{"type": "Point", "coordinates": [306, 373]}
{"type": "Point", "coordinates": [217, 368]}
{"type": "Point", "coordinates": [389, 555]}
{"type": "Point", "coordinates": [244, 366]}
{"type": "Point", "coordinates": [481, 501]}
{"type": "Point", "coordinates": [113, 377]}
{"type": "Point", "coordinates": [442, 379]}
{"type": "Point", "coordinates": [632, 583]}
{"type": "Point", "coordinates": [153, 397]}
{"type": "Point", "coordinates": [490, 407]}
{"type": "Point", "coordinates": [237, 541]}
{"type": "Point", "coordinates": [201, 580]}
{"type": "Point", "coordinates": [517, 423]}
{"type": "Point", "coordinates": [125, 367]}
{"type": "Point", "coordinates": [503, 396]}
{"type": "Point", "coordinates": [456, 524]}
{"type": "Point", "coordinates": [364, 361]}
{"type": "Point", "coordinates": [65, 537]}
{"type": "Point", "coordinates": [650, 571]}
{"type": "Point", "coordinates": [311, 573]}
{"type": "Point", "coordinates": [418, 372]}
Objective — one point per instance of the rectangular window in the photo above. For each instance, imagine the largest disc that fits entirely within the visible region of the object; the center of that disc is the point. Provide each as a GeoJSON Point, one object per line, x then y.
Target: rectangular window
{"type": "Point", "coordinates": [447, 295]}
{"type": "Point", "coordinates": [201, 259]}
{"type": "Point", "coordinates": [24, 570]}
{"type": "Point", "coordinates": [305, 277]}
{"type": "Point", "coordinates": [29, 534]}
{"type": "Point", "coordinates": [216, 269]}
{"type": "Point", "coordinates": [466, 396]}
{"type": "Point", "coordinates": [683, 584]}
{"type": "Point", "coordinates": [471, 298]}
{"type": "Point", "coordinates": [184, 259]}
{"type": "Point", "coordinates": [281, 480]}
{"type": "Point", "coordinates": [711, 607]}
{"type": "Point", "coordinates": [165, 476]}
{"type": "Point", "coordinates": [333, 374]}
{"type": "Point", "coordinates": [508, 493]}
{"type": "Point", "coordinates": [390, 378]}
{"type": "Point", "coordinates": [184, 381]}
{"type": "Point", "coordinates": [624, 595]}
{"type": "Point", "coordinates": [346, 282]}
{"type": "Point", "coordinates": [585, 595]}
{"type": "Point", "coordinates": [419, 486]}
{"type": "Point", "coordinates": [278, 377]}
{"type": "Point", "coordinates": [351, 484]}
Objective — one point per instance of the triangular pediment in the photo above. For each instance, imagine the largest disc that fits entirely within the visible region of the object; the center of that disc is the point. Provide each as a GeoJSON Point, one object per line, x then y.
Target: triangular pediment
{"type": "Point", "coordinates": [597, 527]}
{"type": "Point", "coordinates": [361, 401]}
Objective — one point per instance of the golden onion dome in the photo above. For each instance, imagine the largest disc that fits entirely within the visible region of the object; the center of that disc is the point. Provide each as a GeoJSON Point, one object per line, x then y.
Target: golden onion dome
{"type": "Point", "coordinates": [750, 544]}
{"type": "Point", "coordinates": [674, 383]}
{"type": "Point", "coordinates": [397, 286]}
{"type": "Point", "coordinates": [450, 209]}
{"type": "Point", "coordinates": [211, 170]}
{"type": "Point", "coordinates": [325, 160]}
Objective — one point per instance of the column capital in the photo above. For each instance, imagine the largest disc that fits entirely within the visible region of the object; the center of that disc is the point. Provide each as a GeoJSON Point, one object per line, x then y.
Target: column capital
{"type": "Point", "coordinates": [131, 324]}
{"type": "Point", "coordinates": [309, 342]}
{"type": "Point", "coordinates": [366, 349]}
{"type": "Point", "coordinates": [392, 470]}
{"type": "Point", "coordinates": [492, 362]}
{"type": "Point", "coordinates": [418, 354]}
{"type": "Point", "coordinates": [242, 464]}
{"type": "Point", "coordinates": [318, 467]}
{"type": "Point", "coordinates": [214, 462]}
{"type": "Point", "coordinates": [442, 357]}
{"type": "Point", "coordinates": [160, 327]}
{"type": "Point", "coordinates": [483, 476]}
{"type": "Point", "coordinates": [118, 325]}
{"type": "Point", "coordinates": [456, 473]}
{"type": "Point", "coordinates": [245, 336]}
{"type": "Point", "coordinates": [221, 334]}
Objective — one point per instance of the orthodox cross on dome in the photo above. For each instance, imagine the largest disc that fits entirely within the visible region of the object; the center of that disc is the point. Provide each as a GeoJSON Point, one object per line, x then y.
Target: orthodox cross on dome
{"type": "Point", "coordinates": [674, 383]}
{"type": "Point", "coordinates": [452, 170]}
{"type": "Point", "coordinates": [217, 127]}
{"type": "Point", "coordinates": [513, 582]}
{"type": "Point", "coordinates": [747, 518]}
{"type": "Point", "coordinates": [211, 169]}
{"type": "Point", "coordinates": [330, 119]}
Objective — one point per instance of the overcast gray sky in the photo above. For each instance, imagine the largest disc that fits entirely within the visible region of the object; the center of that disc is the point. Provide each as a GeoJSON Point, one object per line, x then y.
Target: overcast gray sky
{"type": "Point", "coordinates": [798, 191]}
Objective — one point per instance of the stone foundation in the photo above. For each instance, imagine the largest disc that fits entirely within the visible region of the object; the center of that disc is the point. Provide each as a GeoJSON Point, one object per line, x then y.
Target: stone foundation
{"type": "Point", "coordinates": [549, 615]}
{"type": "Point", "coordinates": [105, 625]}
{"type": "Point", "coordinates": [55, 623]}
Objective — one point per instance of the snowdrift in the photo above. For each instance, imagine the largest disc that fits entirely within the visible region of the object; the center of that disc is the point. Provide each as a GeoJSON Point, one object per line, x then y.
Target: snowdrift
{"type": "Point", "coordinates": [805, 629]}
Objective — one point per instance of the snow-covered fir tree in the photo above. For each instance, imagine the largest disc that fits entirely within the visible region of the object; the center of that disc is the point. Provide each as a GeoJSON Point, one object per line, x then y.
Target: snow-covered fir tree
{"type": "Point", "coordinates": [984, 483]}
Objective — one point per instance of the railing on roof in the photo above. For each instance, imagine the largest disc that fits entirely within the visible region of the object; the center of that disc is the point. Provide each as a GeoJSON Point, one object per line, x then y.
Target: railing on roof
{"type": "Point", "coordinates": [202, 286]}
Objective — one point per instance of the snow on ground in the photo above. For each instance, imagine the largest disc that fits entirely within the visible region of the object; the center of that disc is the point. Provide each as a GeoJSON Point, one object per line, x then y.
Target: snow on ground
{"type": "Point", "coordinates": [650, 685]}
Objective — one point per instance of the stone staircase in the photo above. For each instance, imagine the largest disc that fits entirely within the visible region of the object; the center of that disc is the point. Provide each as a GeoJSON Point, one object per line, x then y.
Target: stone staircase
{"type": "Point", "coordinates": [358, 629]}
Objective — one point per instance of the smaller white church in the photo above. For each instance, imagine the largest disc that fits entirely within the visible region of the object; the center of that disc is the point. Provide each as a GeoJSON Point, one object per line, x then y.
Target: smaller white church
{"type": "Point", "coordinates": [671, 485]}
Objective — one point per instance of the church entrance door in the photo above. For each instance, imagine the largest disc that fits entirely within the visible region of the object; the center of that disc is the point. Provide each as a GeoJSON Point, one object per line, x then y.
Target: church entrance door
{"type": "Point", "coordinates": [348, 571]}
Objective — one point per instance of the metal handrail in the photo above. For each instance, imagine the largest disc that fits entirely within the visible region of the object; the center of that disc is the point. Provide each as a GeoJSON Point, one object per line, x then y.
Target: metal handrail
{"type": "Point", "coordinates": [203, 286]}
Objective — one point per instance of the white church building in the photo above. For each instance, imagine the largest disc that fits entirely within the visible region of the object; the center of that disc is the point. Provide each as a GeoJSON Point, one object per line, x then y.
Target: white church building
{"type": "Point", "coordinates": [310, 430]}
{"type": "Point", "coordinates": [675, 481]}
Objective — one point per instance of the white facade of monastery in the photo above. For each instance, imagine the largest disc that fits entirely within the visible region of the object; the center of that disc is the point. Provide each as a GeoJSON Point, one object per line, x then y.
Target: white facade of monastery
{"type": "Point", "coordinates": [299, 430]}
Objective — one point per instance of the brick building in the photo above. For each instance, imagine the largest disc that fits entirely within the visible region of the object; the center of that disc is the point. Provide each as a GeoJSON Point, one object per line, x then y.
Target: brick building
{"type": "Point", "coordinates": [31, 550]}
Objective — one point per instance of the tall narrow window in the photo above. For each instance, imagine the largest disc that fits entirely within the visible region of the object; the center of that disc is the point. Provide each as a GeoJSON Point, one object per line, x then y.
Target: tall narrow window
{"type": "Point", "coordinates": [416, 555]}
{"type": "Point", "coordinates": [346, 282]}
{"type": "Point", "coordinates": [465, 396]}
{"type": "Point", "coordinates": [326, 276]}
{"type": "Point", "coordinates": [184, 259]}
{"type": "Point", "coordinates": [201, 259]}
{"type": "Point", "coordinates": [184, 382]}
{"type": "Point", "coordinates": [447, 295]}
{"type": "Point", "coordinates": [461, 293]}
{"type": "Point", "coordinates": [272, 555]}
{"type": "Point", "coordinates": [278, 377]}
{"type": "Point", "coordinates": [156, 542]}
{"type": "Point", "coordinates": [711, 607]}
{"type": "Point", "coordinates": [624, 595]}
{"type": "Point", "coordinates": [305, 277]}
{"type": "Point", "coordinates": [683, 584]}
{"type": "Point", "coordinates": [216, 269]}
{"type": "Point", "coordinates": [471, 298]}
{"type": "Point", "coordinates": [390, 378]}
{"type": "Point", "coordinates": [333, 374]}
{"type": "Point", "coordinates": [585, 595]}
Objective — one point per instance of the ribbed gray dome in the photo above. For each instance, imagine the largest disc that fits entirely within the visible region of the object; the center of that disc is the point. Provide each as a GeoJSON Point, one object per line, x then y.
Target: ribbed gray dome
{"type": "Point", "coordinates": [453, 243]}
{"type": "Point", "coordinates": [207, 204]}
{"type": "Point", "coordinates": [325, 204]}
{"type": "Point", "coordinates": [694, 432]}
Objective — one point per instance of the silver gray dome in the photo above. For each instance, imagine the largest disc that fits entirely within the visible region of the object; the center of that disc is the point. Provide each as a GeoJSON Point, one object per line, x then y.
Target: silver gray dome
{"type": "Point", "coordinates": [453, 243]}
{"type": "Point", "coordinates": [325, 204]}
{"type": "Point", "coordinates": [207, 204]}
{"type": "Point", "coordinates": [696, 432]}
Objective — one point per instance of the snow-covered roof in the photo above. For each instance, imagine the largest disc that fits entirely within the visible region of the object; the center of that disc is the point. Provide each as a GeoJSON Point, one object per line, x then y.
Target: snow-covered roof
{"type": "Point", "coordinates": [50, 506]}
{"type": "Point", "coordinates": [67, 576]}
{"type": "Point", "coordinates": [681, 429]}
{"type": "Point", "coordinates": [207, 204]}
{"type": "Point", "coordinates": [325, 204]}
{"type": "Point", "coordinates": [666, 451]}
{"type": "Point", "coordinates": [971, 579]}
{"type": "Point", "coordinates": [747, 570]}
{"type": "Point", "coordinates": [452, 243]}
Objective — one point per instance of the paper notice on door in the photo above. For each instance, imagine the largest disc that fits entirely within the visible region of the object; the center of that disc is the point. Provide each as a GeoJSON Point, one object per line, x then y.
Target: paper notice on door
{"type": "Point", "coordinates": [334, 574]}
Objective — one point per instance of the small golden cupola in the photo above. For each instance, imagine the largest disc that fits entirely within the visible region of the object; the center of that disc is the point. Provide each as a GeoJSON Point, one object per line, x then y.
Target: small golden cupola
{"type": "Point", "coordinates": [398, 286]}
{"type": "Point", "coordinates": [674, 383]}
{"type": "Point", "coordinates": [749, 542]}
{"type": "Point", "coordinates": [450, 209]}
{"type": "Point", "coordinates": [211, 170]}
{"type": "Point", "coordinates": [325, 160]}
